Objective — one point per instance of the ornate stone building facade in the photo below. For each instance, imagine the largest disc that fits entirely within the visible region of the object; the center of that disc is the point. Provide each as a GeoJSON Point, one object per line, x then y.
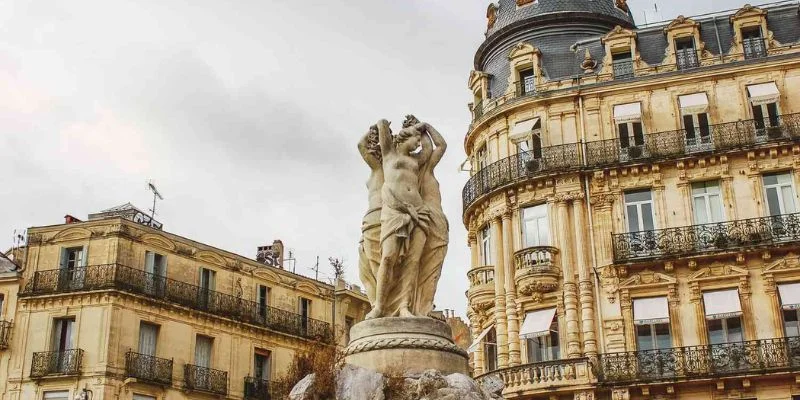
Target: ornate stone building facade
{"type": "Point", "coordinates": [124, 310]}
{"type": "Point", "coordinates": [632, 208]}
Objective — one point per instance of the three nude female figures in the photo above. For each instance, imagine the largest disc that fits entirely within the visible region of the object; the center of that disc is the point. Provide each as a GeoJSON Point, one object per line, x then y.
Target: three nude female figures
{"type": "Point", "coordinates": [405, 232]}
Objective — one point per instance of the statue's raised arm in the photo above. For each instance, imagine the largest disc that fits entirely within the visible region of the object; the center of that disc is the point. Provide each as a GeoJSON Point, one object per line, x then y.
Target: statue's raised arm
{"type": "Point", "coordinates": [438, 141]}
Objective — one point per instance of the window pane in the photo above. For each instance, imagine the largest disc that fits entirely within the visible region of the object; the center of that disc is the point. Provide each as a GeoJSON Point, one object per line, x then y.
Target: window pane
{"type": "Point", "coordinates": [700, 214]}
{"type": "Point", "coordinates": [644, 337]}
{"type": "Point", "coordinates": [663, 337]}
{"type": "Point", "coordinates": [641, 195]}
{"type": "Point", "coordinates": [790, 326]}
{"type": "Point", "coordinates": [647, 217]}
{"type": "Point", "coordinates": [715, 333]}
{"type": "Point", "coordinates": [773, 204]}
{"type": "Point", "coordinates": [633, 219]}
{"type": "Point", "coordinates": [624, 140]}
{"type": "Point", "coordinates": [688, 124]}
{"type": "Point", "coordinates": [535, 347]}
{"type": "Point", "coordinates": [734, 329]}
{"type": "Point", "coordinates": [715, 204]}
{"type": "Point", "coordinates": [522, 147]}
{"type": "Point", "coordinates": [788, 199]}
{"type": "Point", "coordinates": [544, 232]}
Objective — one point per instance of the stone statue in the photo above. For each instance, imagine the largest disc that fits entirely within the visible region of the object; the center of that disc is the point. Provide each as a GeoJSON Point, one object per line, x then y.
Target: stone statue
{"type": "Point", "coordinates": [405, 232]}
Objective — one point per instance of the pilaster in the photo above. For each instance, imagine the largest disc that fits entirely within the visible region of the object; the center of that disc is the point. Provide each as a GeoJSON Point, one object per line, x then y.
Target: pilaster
{"type": "Point", "coordinates": [511, 293]}
{"type": "Point", "coordinates": [585, 281]}
{"type": "Point", "coordinates": [570, 289]}
{"type": "Point", "coordinates": [501, 322]}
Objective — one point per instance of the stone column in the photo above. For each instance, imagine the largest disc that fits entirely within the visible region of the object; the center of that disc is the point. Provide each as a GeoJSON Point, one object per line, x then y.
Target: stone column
{"type": "Point", "coordinates": [501, 324]}
{"type": "Point", "coordinates": [584, 278]}
{"type": "Point", "coordinates": [477, 356]}
{"type": "Point", "coordinates": [475, 259]}
{"type": "Point", "coordinates": [511, 292]}
{"type": "Point", "coordinates": [570, 289]}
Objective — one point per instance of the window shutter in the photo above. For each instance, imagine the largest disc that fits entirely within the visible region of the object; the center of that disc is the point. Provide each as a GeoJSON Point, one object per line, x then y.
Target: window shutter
{"type": "Point", "coordinates": [638, 134]}
{"type": "Point", "coordinates": [772, 111]}
{"type": "Point", "coordinates": [64, 258]}
{"type": "Point", "coordinates": [149, 262]}
{"type": "Point", "coordinates": [69, 325]}
{"type": "Point", "coordinates": [688, 124]}
{"type": "Point", "coordinates": [84, 256]}
{"type": "Point", "coordinates": [537, 146]}
{"type": "Point", "coordinates": [624, 140]}
{"type": "Point", "coordinates": [702, 119]}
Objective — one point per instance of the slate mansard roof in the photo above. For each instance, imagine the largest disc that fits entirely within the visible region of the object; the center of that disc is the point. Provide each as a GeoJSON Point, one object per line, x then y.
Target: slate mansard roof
{"type": "Point", "coordinates": [563, 39]}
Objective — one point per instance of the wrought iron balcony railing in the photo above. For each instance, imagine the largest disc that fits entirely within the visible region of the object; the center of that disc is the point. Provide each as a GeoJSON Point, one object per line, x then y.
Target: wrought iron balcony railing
{"type": "Point", "coordinates": [204, 379]}
{"type": "Point", "coordinates": [708, 238]}
{"type": "Point", "coordinates": [686, 59]}
{"type": "Point", "coordinates": [477, 110]}
{"type": "Point", "coordinates": [5, 333]}
{"type": "Point", "coordinates": [754, 48]}
{"type": "Point", "coordinates": [131, 280]}
{"type": "Point", "coordinates": [699, 362]}
{"type": "Point", "coordinates": [65, 362]}
{"type": "Point", "coordinates": [148, 368]}
{"type": "Point", "coordinates": [623, 69]}
{"type": "Point", "coordinates": [543, 375]}
{"type": "Point", "coordinates": [522, 166]}
{"type": "Point", "coordinates": [256, 389]}
{"type": "Point", "coordinates": [714, 138]}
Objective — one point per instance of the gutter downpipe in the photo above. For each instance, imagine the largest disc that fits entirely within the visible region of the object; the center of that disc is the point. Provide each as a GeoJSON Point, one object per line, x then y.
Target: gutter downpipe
{"type": "Point", "coordinates": [719, 43]}
{"type": "Point", "coordinates": [601, 336]}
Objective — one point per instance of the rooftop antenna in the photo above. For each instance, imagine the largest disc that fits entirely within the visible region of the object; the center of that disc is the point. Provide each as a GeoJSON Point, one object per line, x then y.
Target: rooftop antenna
{"type": "Point", "coordinates": [316, 269]}
{"type": "Point", "coordinates": [156, 196]}
{"type": "Point", "coordinates": [292, 259]}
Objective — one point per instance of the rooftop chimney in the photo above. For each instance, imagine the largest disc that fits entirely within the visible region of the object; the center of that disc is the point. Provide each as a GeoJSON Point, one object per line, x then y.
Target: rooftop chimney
{"type": "Point", "coordinates": [69, 219]}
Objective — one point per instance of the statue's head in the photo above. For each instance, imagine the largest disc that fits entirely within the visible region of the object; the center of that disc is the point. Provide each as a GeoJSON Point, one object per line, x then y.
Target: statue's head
{"type": "Point", "coordinates": [374, 144]}
{"type": "Point", "coordinates": [410, 121]}
{"type": "Point", "coordinates": [407, 140]}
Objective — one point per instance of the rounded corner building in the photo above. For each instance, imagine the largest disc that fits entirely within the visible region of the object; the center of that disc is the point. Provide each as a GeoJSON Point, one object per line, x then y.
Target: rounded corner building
{"type": "Point", "coordinates": [632, 207]}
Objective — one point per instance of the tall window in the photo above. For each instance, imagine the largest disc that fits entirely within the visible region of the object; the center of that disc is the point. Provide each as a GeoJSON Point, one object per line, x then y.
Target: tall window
{"type": "Point", "coordinates": [623, 65]}
{"type": "Point", "coordinates": [148, 338]}
{"type": "Point", "coordinates": [263, 300]}
{"type": "Point", "coordinates": [540, 329]}
{"type": "Point", "coordinates": [707, 203]}
{"type": "Point", "coordinates": [695, 121]}
{"type": "Point", "coordinates": [723, 316]}
{"type": "Point", "coordinates": [207, 284]}
{"type": "Point", "coordinates": [56, 395]}
{"type": "Point", "coordinates": [63, 334]}
{"type": "Point", "coordinates": [651, 318]}
{"type": "Point", "coordinates": [261, 365]}
{"type": "Point", "coordinates": [779, 193]}
{"type": "Point", "coordinates": [764, 104]}
{"type": "Point", "coordinates": [155, 265]}
{"type": "Point", "coordinates": [685, 54]}
{"type": "Point", "coordinates": [72, 268]}
{"type": "Point", "coordinates": [535, 226]}
{"type": "Point", "coordinates": [2, 303]}
{"type": "Point", "coordinates": [202, 351]}
{"type": "Point", "coordinates": [753, 43]}
{"type": "Point", "coordinates": [490, 350]}
{"type": "Point", "coordinates": [639, 211]}
{"type": "Point", "coordinates": [628, 118]}
{"type": "Point", "coordinates": [486, 245]}
{"type": "Point", "coordinates": [482, 158]}
{"type": "Point", "coordinates": [790, 307]}
{"type": "Point", "coordinates": [305, 312]}
{"type": "Point", "coordinates": [527, 83]}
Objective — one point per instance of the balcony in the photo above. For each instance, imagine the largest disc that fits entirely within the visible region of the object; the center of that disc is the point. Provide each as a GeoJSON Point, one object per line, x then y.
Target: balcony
{"type": "Point", "coordinates": [542, 378]}
{"type": "Point", "coordinates": [525, 88]}
{"type": "Point", "coordinates": [154, 287]}
{"type": "Point", "coordinates": [202, 379]}
{"type": "Point", "coordinates": [519, 167]}
{"type": "Point", "coordinates": [675, 144]}
{"type": "Point", "coordinates": [477, 110]}
{"type": "Point", "coordinates": [49, 363]}
{"type": "Point", "coordinates": [739, 235]}
{"type": "Point", "coordinates": [5, 333]}
{"type": "Point", "coordinates": [536, 270]}
{"type": "Point", "coordinates": [754, 48]}
{"type": "Point", "coordinates": [481, 284]}
{"type": "Point", "coordinates": [686, 59]}
{"type": "Point", "coordinates": [256, 389]}
{"type": "Point", "coordinates": [756, 357]}
{"type": "Point", "coordinates": [623, 69]}
{"type": "Point", "coordinates": [148, 368]}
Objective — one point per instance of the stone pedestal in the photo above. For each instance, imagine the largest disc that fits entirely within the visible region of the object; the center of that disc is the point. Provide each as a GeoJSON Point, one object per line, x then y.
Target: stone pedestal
{"type": "Point", "coordinates": [405, 346]}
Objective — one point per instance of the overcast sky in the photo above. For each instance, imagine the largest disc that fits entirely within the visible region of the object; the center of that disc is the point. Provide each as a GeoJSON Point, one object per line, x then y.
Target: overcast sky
{"type": "Point", "coordinates": [245, 113]}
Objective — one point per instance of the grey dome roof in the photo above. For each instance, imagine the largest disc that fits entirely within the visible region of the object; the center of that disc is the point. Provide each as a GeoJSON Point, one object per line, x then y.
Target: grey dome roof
{"type": "Point", "coordinates": [508, 13]}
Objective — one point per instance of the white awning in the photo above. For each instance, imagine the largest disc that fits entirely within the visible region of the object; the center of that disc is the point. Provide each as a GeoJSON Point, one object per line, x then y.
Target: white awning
{"type": "Point", "coordinates": [627, 112]}
{"type": "Point", "coordinates": [537, 323]}
{"type": "Point", "coordinates": [650, 310]}
{"type": "Point", "coordinates": [763, 93]}
{"type": "Point", "coordinates": [722, 304]}
{"type": "Point", "coordinates": [790, 295]}
{"type": "Point", "coordinates": [477, 342]}
{"type": "Point", "coordinates": [694, 103]}
{"type": "Point", "coordinates": [522, 130]}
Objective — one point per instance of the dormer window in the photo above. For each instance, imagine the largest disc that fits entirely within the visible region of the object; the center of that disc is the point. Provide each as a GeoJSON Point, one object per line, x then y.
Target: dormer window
{"type": "Point", "coordinates": [685, 53]}
{"type": "Point", "coordinates": [753, 42]}
{"type": "Point", "coordinates": [527, 83]}
{"type": "Point", "coordinates": [623, 64]}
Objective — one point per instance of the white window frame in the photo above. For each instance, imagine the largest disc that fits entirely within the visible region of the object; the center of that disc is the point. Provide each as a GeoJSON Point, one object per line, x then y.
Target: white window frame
{"type": "Point", "coordinates": [541, 213]}
{"type": "Point", "coordinates": [548, 348]}
{"type": "Point", "coordinates": [486, 245]}
{"type": "Point", "coordinates": [706, 196]}
{"type": "Point", "coordinates": [482, 158]}
{"type": "Point", "coordinates": [638, 205]}
{"type": "Point", "coordinates": [778, 186]}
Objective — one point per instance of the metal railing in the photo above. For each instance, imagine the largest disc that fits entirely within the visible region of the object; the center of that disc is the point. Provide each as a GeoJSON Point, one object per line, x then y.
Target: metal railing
{"type": "Point", "coordinates": [707, 238]}
{"type": "Point", "coordinates": [623, 69]}
{"type": "Point", "coordinates": [754, 48]}
{"type": "Point", "coordinates": [131, 280]}
{"type": "Point", "coordinates": [548, 373]}
{"type": "Point", "coordinates": [205, 379]}
{"type": "Point", "coordinates": [525, 88]}
{"type": "Point", "coordinates": [520, 166]}
{"type": "Point", "coordinates": [700, 362]}
{"type": "Point", "coordinates": [148, 368]}
{"type": "Point", "coordinates": [477, 110]}
{"type": "Point", "coordinates": [5, 333]}
{"type": "Point", "coordinates": [256, 389]}
{"type": "Point", "coordinates": [686, 59]}
{"type": "Point", "coordinates": [65, 362]}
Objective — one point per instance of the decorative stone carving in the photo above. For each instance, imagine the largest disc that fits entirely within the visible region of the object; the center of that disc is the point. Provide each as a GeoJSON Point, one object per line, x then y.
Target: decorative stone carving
{"type": "Point", "coordinates": [622, 5]}
{"type": "Point", "coordinates": [491, 16]}
{"type": "Point", "coordinates": [589, 64]}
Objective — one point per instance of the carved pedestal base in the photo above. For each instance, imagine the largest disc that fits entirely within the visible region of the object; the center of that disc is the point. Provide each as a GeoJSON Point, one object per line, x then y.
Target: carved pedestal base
{"type": "Point", "coordinates": [405, 345]}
